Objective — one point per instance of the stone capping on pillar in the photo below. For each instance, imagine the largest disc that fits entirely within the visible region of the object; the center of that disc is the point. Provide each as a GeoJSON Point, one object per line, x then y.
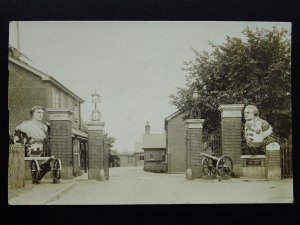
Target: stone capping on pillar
{"type": "Point", "coordinates": [59, 114]}
{"type": "Point", "coordinates": [231, 110]}
{"type": "Point", "coordinates": [253, 156]}
{"type": "Point", "coordinates": [95, 125]}
{"type": "Point", "coordinates": [274, 146]}
{"type": "Point", "coordinates": [195, 123]}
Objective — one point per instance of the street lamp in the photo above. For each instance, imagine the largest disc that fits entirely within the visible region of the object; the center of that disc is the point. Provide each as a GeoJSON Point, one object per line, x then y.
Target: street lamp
{"type": "Point", "coordinates": [95, 98]}
{"type": "Point", "coordinates": [195, 112]}
{"type": "Point", "coordinates": [95, 115]}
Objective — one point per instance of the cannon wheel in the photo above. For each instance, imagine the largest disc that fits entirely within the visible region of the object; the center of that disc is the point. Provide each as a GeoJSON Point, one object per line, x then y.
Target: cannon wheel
{"type": "Point", "coordinates": [224, 166]}
{"type": "Point", "coordinates": [35, 171]}
{"type": "Point", "coordinates": [208, 167]}
{"type": "Point", "coordinates": [56, 171]}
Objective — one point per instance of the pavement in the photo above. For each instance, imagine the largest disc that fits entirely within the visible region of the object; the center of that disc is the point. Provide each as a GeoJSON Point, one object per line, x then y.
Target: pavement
{"type": "Point", "coordinates": [41, 194]}
{"type": "Point", "coordinates": [132, 185]}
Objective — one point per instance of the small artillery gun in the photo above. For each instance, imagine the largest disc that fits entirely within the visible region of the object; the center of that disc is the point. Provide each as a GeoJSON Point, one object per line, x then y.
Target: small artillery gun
{"type": "Point", "coordinates": [212, 165]}
{"type": "Point", "coordinates": [39, 169]}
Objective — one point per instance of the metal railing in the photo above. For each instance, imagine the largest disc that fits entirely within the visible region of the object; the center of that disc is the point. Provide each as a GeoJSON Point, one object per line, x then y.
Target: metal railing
{"type": "Point", "coordinates": [212, 143]}
{"type": "Point", "coordinates": [286, 159]}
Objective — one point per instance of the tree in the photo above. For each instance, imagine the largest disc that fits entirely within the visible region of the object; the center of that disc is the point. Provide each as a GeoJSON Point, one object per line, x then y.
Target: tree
{"type": "Point", "coordinates": [255, 70]}
{"type": "Point", "coordinates": [110, 141]}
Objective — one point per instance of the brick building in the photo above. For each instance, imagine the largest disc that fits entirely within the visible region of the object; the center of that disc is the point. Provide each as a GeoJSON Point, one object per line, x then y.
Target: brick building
{"type": "Point", "coordinates": [28, 87]}
{"type": "Point", "coordinates": [154, 146]}
{"type": "Point", "coordinates": [176, 128]}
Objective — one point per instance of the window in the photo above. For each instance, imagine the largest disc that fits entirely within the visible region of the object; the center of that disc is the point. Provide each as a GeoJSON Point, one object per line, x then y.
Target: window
{"type": "Point", "coordinates": [141, 157]}
{"type": "Point", "coordinates": [151, 156]}
{"type": "Point", "coordinates": [71, 106]}
{"type": "Point", "coordinates": [66, 101]}
{"type": "Point", "coordinates": [76, 112]}
{"type": "Point", "coordinates": [62, 100]}
{"type": "Point", "coordinates": [55, 98]}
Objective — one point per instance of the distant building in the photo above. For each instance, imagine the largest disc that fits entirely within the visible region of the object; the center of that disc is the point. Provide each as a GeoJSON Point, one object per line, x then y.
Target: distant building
{"type": "Point", "coordinates": [154, 146]}
{"type": "Point", "coordinates": [29, 86]}
{"type": "Point", "coordinates": [176, 130]}
{"type": "Point", "coordinates": [127, 159]}
{"type": "Point", "coordinates": [139, 154]}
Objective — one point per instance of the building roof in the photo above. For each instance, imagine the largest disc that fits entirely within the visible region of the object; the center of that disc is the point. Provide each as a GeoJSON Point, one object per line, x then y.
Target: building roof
{"type": "Point", "coordinates": [127, 154]}
{"type": "Point", "coordinates": [154, 141]}
{"type": "Point", "coordinates": [173, 115]}
{"type": "Point", "coordinates": [79, 133]}
{"type": "Point", "coordinates": [44, 76]}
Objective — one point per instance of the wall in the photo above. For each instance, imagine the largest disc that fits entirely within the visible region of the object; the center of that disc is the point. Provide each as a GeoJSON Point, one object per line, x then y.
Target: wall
{"type": "Point", "coordinates": [156, 164]}
{"type": "Point", "coordinates": [138, 161]}
{"type": "Point", "coordinates": [16, 168]}
{"type": "Point", "coordinates": [155, 167]}
{"type": "Point", "coordinates": [157, 154]}
{"type": "Point", "coordinates": [127, 160]}
{"type": "Point", "coordinates": [176, 147]}
{"type": "Point", "coordinates": [25, 90]}
{"type": "Point", "coordinates": [68, 102]}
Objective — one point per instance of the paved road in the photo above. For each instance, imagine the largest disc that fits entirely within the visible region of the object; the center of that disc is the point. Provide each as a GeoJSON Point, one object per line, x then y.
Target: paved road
{"type": "Point", "coordinates": [132, 185]}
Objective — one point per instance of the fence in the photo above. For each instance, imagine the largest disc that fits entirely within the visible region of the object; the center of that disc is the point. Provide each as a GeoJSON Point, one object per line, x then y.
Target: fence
{"type": "Point", "coordinates": [16, 167]}
{"type": "Point", "coordinates": [286, 159]}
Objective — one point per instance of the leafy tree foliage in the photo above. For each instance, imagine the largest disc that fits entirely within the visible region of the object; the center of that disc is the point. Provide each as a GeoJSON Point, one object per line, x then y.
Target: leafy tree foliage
{"type": "Point", "coordinates": [110, 141]}
{"type": "Point", "coordinates": [255, 69]}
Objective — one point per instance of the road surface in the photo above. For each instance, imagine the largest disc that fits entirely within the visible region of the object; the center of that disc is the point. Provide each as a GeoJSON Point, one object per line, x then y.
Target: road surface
{"type": "Point", "coordinates": [132, 185]}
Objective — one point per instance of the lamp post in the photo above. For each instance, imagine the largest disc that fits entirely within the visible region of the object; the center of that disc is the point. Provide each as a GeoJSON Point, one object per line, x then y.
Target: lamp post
{"type": "Point", "coordinates": [194, 139]}
{"type": "Point", "coordinates": [95, 115]}
{"type": "Point", "coordinates": [195, 112]}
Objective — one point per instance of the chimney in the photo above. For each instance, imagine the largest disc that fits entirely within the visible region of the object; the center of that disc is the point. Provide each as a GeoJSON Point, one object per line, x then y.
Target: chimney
{"type": "Point", "coordinates": [147, 128]}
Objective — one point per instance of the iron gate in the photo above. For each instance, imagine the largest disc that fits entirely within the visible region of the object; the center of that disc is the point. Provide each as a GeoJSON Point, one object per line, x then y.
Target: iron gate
{"type": "Point", "coordinates": [212, 144]}
{"type": "Point", "coordinates": [286, 160]}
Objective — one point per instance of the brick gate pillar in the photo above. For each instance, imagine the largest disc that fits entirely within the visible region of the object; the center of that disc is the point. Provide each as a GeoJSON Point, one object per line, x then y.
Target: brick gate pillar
{"type": "Point", "coordinates": [105, 158]}
{"type": "Point", "coordinates": [96, 150]}
{"type": "Point", "coordinates": [273, 161]}
{"type": "Point", "coordinates": [194, 148]}
{"type": "Point", "coordinates": [232, 134]}
{"type": "Point", "coordinates": [61, 139]}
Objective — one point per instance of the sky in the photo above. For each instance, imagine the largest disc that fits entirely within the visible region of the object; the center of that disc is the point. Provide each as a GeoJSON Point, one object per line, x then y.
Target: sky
{"type": "Point", "coordinates": [133, 65]}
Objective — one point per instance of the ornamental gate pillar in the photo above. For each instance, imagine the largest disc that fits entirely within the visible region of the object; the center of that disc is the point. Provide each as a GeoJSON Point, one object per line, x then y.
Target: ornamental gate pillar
{"type": "Point", "coordinates": [96, 150]}
{"type": "Point", "coordinates": [231, 126]}
{"type": "Point", "coordinates": [61, 139]}
{"type": "Point", "coordinates": [194, 148]}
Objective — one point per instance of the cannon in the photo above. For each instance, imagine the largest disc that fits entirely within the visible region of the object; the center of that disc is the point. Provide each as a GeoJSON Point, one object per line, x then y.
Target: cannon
{"type": "Point", "coordinates": [39, 166]}
{"type": "Point", "coordinates": [212, 165]}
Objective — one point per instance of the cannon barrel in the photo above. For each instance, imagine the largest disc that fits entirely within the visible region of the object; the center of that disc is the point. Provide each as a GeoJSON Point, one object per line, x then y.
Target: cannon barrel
{"type": "Point", "coordinates": [50, 159]}
{"type": "Point", "coordinates": [210, 156]}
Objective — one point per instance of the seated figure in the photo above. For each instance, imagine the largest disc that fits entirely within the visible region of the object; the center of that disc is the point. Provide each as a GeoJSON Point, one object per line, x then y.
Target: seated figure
{"type": "Point", "coordinates": [258, 132]}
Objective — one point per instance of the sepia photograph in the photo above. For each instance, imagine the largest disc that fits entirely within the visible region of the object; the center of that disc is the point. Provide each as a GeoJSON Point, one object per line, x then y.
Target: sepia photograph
{"type": "Point", "coordinates": [149, 112]}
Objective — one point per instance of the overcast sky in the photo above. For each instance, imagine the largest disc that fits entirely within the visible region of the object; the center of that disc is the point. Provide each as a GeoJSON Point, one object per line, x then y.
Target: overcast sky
{"type": "Point", "coordinates": [134, 66]}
